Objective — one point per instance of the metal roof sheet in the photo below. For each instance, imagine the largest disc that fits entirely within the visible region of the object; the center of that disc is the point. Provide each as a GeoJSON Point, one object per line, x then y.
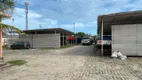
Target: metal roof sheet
{"type": "Point", "coordinates": [49, 30]}
{"type": "Point", "coordinates": [132, 17]}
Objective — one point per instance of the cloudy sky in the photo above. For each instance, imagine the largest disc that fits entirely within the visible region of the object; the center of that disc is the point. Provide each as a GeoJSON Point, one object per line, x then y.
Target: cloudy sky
{"type": "Point", "coordinates": [62, 13]}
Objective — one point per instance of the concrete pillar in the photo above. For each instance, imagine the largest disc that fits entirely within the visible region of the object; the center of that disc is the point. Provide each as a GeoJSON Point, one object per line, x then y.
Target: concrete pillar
{"type": "Point", "coordinates": [66, 40]}
{"type": "Point", "coordinates": [102, 51]}
{"type": "Point", "coordinates": [63, 39]}
{"type": "Point", "coordinates": [32, 40]}
{"type": "Point", "coordinates": [75, 40]}
{"type": "Point", "coordinates": [55, 31]}
{"type": "Point", "coordinates": [1, 43]}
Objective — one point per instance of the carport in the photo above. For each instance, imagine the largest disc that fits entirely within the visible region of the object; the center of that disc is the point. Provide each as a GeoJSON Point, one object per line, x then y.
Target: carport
{"type": "Point", "coordinates": [125, 29]}
{"type": "Point", "coordinates": [45, 38]}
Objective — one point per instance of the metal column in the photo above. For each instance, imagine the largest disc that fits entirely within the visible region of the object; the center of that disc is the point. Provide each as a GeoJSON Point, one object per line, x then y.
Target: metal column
{"type": "Point", "coordinates": [55, 31]}
{"type": "Point", "coordinates": [63, 39]}
{"type": "Point", "coordinates": [102, 51]}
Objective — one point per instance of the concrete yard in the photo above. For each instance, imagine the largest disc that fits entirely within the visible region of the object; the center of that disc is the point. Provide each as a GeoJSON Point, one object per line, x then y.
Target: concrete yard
{"type": "Point", "coordinates": [76, 63]}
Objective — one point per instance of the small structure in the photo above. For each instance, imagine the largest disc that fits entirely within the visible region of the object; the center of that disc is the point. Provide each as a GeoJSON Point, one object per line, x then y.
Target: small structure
{"type": "Point", "coordinates": [45, 38]}
{"type": "Point", "coordinates": [125, 29]}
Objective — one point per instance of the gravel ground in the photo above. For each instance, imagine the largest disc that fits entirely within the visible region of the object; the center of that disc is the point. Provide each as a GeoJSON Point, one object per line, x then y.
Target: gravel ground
{"type": "Point", "coordinates": [76, 63]}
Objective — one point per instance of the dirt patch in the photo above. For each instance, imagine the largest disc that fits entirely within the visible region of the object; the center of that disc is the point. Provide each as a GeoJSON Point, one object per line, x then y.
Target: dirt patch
{"type": "Point", "coordinates": [3, 65]}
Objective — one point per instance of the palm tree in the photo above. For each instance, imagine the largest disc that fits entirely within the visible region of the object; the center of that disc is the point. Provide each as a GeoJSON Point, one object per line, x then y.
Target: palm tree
{"type": "Point", "coordinates": [6, 10]}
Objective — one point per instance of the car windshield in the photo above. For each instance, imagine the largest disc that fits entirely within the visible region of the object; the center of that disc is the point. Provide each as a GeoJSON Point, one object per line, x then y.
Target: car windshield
{"type": "Point", "coordinates": [105, 38]}
{"type": "Point", "coordinates": [19, 43]}
{"type": "Point", "coordinates": [85, 39]}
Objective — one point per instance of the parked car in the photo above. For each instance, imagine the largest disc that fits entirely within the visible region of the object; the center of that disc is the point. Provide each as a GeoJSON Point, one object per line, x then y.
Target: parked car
{"type": "Point", "coordinates": [106, 42]}
{"type": "Point", "coordinates": [86, 41]}
{"type": "Point", "coordinates": [20, 45]}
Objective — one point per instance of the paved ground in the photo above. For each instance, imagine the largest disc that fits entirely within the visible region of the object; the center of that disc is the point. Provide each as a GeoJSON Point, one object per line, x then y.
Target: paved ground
{"type": "Point", "coordinates": [76, 63]}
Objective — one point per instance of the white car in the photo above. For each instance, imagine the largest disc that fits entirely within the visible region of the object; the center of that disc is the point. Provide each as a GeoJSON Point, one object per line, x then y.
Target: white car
{"type": "Point", "coordinates": [106, 42]}
{"type": "Point", "coordinates": [86, 41]}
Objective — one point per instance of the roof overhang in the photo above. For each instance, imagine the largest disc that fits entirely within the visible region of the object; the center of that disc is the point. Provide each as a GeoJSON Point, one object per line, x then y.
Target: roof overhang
{"type": "Point", "coordinates": [133, 17]}
{"type": "Point", "coordinates": [48, 31]}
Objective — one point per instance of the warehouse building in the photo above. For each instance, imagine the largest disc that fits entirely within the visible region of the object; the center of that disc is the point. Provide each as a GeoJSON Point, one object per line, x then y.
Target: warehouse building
{"type": "Point", "coordinates": [45, 38]}
{"type": "Point", "coordinates": [125, 29]}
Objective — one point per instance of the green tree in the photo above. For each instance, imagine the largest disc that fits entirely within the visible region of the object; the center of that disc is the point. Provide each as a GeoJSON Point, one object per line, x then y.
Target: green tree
{"type": "Point", "coordinates": [80, 34]}
{"type": "Point", "coordinates": [6, 10]}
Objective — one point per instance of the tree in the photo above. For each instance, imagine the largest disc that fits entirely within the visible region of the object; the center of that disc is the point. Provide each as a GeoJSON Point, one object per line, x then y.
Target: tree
{"type": "Point", "coordinates": [80, 34]}
{"type": "Point", "coordinates": [6, 10]}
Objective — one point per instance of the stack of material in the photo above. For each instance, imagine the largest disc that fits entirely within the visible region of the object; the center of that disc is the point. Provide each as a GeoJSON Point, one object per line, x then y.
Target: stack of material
{"type": "Point", "coordinates": [2, 65]}
{"type": "Point", "coordinates": [118, 55]}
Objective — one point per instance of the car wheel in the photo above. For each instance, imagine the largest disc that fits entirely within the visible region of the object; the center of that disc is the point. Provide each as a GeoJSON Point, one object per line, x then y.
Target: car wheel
{"type": "Point", "coordinates": [28, 47]}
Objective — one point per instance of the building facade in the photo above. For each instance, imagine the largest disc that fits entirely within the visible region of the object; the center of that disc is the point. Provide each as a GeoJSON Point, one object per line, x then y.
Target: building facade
{"type": "Point", "coordinates": [125, 29]}
{"type": "Point", "coordinates": [45, 38]}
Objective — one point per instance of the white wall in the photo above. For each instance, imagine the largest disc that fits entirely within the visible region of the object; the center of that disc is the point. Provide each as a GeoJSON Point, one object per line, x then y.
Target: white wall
{"type": "Point", "coordinates": [127, 39]}
{"type": "Point", "coordinates": [40, 40]}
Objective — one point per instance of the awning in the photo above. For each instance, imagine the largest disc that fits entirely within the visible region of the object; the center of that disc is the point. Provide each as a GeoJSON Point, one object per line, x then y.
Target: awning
{"type": "Point", "coordinates": [47, 31]}
{"type": "Point", "coordinates": [133, 17]}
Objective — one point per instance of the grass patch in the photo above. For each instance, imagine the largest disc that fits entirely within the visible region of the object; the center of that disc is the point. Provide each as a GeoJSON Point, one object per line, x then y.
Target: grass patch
{"type": "Point", "coordinates": [67, 46]}
{"type": "Point", "coordinates": [5, 46]}
{"type": "Point", "coordinates": [17, 62]}
{"type": "Point", "coordinates": [62, 47]}
{"type": "Point", "coordinates": [49, 48]}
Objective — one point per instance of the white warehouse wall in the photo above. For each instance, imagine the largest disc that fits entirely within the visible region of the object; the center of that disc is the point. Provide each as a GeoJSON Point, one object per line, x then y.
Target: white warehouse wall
{"type": "Point", "coordinates": [40, 40]}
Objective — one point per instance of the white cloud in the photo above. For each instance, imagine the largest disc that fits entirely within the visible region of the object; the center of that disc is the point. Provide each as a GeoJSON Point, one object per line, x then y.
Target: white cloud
{"type": "Point", "coordinates": [22, 2]}
{"type": "Point", "coordinates": [66, 25]}
{"type": "Point", "coordinates": [19, 19]}
{"type": "Point", "coordinates": [62, 13]}
{"type": "Point", "coordinates": [31, 14]}
{"type": "Point", "coordinates": [80, 10]}
{"type": "Point", "coordinates": [94, 22]}
{"type": "Point", "coordinates": [77, 25]}
{"type": "Point", "coordinates": [34, 15]}
{"type": "Point", "coordinates": [50, 21]}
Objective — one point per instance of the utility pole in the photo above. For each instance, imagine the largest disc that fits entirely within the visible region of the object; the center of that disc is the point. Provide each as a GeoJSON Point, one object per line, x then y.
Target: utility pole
{"type": "Point", "coordinates": [26, 4]}
{"type": "Point", "coordinates": [102, 48]}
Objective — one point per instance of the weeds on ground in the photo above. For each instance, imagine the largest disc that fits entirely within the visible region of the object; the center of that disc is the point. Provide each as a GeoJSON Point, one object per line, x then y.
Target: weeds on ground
{"type": "Point", "coordinates": [5, 46]}
{"type": "Point", "coordinates": [16, 62]}
{"type": "Point", "coordinates": [62, 47]}
{"type": "Point", "coordinates": [67, 46]}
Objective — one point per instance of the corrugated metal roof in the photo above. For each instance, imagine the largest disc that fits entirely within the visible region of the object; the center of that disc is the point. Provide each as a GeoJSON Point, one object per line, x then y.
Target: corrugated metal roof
{"type": "Point", "coordinates": [49, 30]}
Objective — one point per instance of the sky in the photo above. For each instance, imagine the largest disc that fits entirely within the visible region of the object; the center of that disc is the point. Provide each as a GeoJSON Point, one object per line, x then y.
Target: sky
{"type": "Point", "coordinates": [63, 13]}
